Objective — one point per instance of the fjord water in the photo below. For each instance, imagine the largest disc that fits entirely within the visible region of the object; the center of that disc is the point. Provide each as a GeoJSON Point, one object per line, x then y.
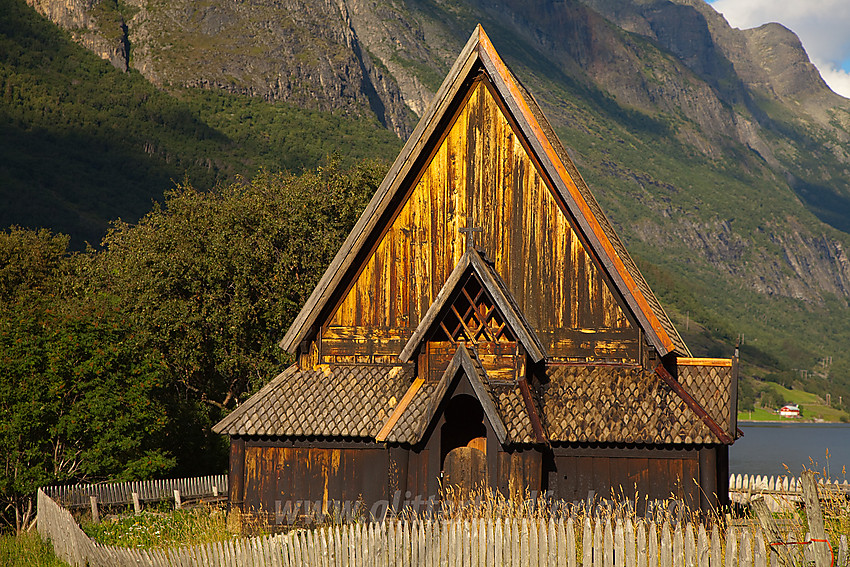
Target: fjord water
{"type": "Point", "coordinates": [766, 448]}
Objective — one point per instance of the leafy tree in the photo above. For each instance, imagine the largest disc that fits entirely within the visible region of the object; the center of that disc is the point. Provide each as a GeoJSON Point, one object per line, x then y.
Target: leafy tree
{"type": "Point", "coordinates": [78, 400]}
{"type": "Point", "coordinates": [211, 280]}
{"type": "Point", "coordinates": [746, 395]}
{"type": "Point", "coordinates": [770, 398]}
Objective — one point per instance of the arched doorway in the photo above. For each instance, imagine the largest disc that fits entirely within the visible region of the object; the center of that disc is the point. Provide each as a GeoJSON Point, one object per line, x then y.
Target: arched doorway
{"type": "Point", "coordinates": [463, 444]}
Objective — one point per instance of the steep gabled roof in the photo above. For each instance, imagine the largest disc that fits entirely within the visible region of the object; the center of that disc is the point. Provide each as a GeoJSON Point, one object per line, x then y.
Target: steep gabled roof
{"type": "Point", "coordinates": [505, 303]}
{"type": "Point", "coordinates": [479, 54]}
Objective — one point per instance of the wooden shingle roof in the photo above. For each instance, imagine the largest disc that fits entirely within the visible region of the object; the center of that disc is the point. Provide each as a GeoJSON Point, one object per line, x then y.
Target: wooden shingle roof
{"type": "Point", "coordinates": [335, 401]}
{"type": "Point", "coordinates": [479, 56]}
{"type": "Point", "coordinates": [576, 404]}
{"type": "Point", "coordinates": [620, 404]}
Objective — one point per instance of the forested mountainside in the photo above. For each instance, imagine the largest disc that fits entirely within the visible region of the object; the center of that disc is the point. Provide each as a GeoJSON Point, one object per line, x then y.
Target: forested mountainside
{"type": "Point", "coordinates": [82, 143]}
{"type": "Point", "coordinates": [719, 154]}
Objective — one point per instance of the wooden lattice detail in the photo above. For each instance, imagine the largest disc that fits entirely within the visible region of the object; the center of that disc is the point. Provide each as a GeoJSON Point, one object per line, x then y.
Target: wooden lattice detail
{"type": "Point", "coordinates": [472, 317]}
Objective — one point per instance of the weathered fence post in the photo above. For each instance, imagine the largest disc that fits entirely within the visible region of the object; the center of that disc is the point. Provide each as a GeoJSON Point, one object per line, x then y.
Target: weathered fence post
{"type": "Point", "coordinates": [767, 522]}
{"type": "Point", "coordinates": [666, 546]}
{"type": "Point", "coordinates": [597, 543]}
{"type": "Point", "coordinates": [95, 515]}
{"type": "Point", "coordinates": [178, 504]}
{"type": "Point", "coordinates": [137, 504]}
{"type": "Point", "coordinates": [716, 549]}
{"type": "Point", "coordinates": [815, 517]}
{"type": "Point", "coordinates": [731, 547]}
{"type": "Point", "coordinates": [690, 546]}
{"type": "Point", "coordinates": [746, 557]}
{"type": "Point", "coordinates": [586, 544]}
{"type": "Point", "coordinates": [760, 551]}
{"type": "Point", "coordinates": [608, 544]}
{"type": "Point", "coordinates": [652, 534]}
{"type": "Point", "coordinates": [642, 549]}
{"type": "Point", "coordinates": [629, 542]}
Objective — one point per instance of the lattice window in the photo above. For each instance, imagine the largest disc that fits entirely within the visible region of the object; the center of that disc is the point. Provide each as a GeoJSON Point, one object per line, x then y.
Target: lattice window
{"type": "Point", "coordinates": [472, 317]}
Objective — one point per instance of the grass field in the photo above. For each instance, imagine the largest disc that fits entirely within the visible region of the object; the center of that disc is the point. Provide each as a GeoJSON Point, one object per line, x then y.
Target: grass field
{"type": "Point", "coordinates": [27, 550]}
{"type": "Point", "coordinates": [813, 407]}
{"type": "Point", "coordinates": [151, 529]}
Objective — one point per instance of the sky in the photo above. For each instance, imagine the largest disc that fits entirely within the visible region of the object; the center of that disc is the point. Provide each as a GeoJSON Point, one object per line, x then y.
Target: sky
{"type": "Point", "coordinates": [822, 25]}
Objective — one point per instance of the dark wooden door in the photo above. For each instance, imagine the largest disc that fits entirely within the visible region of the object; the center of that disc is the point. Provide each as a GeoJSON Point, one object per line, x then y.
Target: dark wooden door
{"type": "Point", "coordinates": [465, 470]}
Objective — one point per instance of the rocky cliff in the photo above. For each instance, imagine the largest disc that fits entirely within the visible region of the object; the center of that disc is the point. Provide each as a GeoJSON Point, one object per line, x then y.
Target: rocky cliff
{"type": "Point", "coordinates": [96, 24]}
{"type": "Point", "coordinates": [720, 153]}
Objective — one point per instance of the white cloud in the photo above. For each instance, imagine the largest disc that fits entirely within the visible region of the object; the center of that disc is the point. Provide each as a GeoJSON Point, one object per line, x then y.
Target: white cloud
{"type": "Point", "coordinates": [837, 79]}
{"type": "Point", "coordinates": [822, 26]}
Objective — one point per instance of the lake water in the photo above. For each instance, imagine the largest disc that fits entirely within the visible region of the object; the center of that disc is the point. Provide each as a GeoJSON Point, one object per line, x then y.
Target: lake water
{"type": "Point", "coordinates": [765, 447]}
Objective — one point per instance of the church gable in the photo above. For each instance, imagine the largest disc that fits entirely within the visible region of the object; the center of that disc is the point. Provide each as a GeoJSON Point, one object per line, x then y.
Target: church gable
{"type": "Point", "coordinates": [483, 154]}
{"type": "Point", "coordinates": [474, 308]}
{"type": "Point", "coordinates": [482, 170]}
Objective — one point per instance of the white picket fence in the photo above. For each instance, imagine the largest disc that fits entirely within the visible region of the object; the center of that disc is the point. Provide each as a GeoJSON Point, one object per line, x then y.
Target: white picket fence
{"type": "Point", "coordinates": [780, 484]}
{"type": "Point", "coordinates": [79, 495]}
{"type": "Point", "coordinates": [780, 493]}
{"type": "Point", "coordinates": [606, 542]}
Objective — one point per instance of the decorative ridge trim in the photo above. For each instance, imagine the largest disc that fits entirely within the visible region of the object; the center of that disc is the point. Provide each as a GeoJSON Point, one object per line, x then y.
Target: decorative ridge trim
{"type": "Point", "coordinates": [399, 410]}
{"type": "Point", "coordinates": [692, 403]}
{"type": "Point", "coordinates": [685, 361]}
{"type": "Point", "coordinates": [531, 408]}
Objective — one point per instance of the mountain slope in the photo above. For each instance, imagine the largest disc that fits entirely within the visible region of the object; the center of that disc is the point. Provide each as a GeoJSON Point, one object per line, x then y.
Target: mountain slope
{"type": "Point", "coordinates": [83, 143]}
{"type": "Point", "coordinates": [718, 153]}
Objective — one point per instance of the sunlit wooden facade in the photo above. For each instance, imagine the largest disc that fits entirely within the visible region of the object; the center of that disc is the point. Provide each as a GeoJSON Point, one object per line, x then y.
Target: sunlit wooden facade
{"type": "Point", "coordinates": [483, 324]}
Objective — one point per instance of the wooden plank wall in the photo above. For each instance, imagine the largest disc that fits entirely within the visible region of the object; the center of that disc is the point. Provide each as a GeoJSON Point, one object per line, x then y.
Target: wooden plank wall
{"type": "Point", "coordinates": [482, 169]}
{"type": "Point", "coordinates": [292, 474]}
{"type": "Point", "coordinates": [579, 477]}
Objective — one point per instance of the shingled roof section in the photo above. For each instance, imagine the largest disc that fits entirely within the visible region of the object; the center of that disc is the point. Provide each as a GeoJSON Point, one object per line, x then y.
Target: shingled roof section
{"type": "Point", "coordinates": [618, 404]}
{"type": "Point", "coordinates": [336, 401]}
{"type": "Point", "coordinates": [712, 383]}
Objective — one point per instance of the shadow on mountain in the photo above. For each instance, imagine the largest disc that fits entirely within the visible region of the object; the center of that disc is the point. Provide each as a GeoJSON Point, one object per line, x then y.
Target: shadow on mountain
{"type": "Point", "coordinates": [825, 203]}
{"type": "Point", "coordinates": [74, 182]}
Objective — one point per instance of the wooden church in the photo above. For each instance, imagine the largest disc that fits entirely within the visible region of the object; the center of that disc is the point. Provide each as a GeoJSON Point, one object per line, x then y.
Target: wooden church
{"type": "Point", "coordinates": [484, 325]}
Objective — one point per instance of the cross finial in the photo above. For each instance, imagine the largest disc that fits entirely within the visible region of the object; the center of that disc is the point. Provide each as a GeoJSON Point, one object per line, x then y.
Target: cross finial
{"type": "Point", "coordinates": [468, 230]}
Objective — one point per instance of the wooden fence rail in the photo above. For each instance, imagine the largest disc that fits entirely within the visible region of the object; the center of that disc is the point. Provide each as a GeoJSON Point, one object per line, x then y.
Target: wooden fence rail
{"type": "Point", "coordinates": [606, 542]}
{"type": "Point", "coordinates": [780, 484]}
{"type": "Point", "coordinates": [78, 495]}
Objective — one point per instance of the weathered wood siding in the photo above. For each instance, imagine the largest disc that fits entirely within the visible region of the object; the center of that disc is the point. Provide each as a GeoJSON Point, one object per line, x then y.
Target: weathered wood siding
{"type": "Point", "coordinates": [482, 169]}
{"type": "Point", "coordinates": [312, 474]}
{"type": "Point", "coordinates": [655, 474]}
